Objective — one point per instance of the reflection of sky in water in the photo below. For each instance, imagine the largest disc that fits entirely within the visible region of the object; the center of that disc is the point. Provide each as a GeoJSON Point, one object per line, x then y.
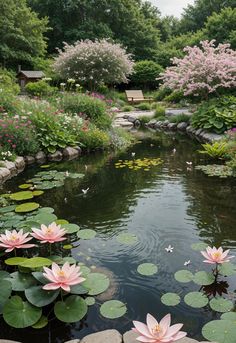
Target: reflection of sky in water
{"type": "Point", "coordinates": [167, 205]}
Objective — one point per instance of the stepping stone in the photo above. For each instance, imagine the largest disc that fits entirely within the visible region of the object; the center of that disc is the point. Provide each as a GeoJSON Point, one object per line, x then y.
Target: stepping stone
{"type": "Point", "coordinates": [107, 336]}
{"type": "Point", "coordinates": [130, 337]}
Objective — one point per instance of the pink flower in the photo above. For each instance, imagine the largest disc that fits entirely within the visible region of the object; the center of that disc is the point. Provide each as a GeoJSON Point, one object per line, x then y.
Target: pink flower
{"type": "Point", "coordinates": [62, 277]}
{"type": "Point", "coordinates": [51, 234]}
{"type": "Point", "coordinates": [214, 255]}
{"type": "Point", "coordinates": [15, 239]}
{"type": "Point", "coordinates": [155, 332]}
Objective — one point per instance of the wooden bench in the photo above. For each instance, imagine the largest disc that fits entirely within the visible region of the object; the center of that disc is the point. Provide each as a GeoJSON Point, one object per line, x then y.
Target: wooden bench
{"type": "Point", "coordinates": [136, 96]}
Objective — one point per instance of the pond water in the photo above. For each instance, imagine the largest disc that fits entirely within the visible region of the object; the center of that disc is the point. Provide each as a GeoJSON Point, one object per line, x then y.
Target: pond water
{"type": "Point", "coordinates": [171, 204]}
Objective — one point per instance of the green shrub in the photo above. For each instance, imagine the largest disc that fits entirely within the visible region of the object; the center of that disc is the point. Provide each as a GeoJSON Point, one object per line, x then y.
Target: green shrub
{"type": "Point", "coordinates": [91, 107]}
{"type": "Point", "coordinates": [39, 88]}
{"type": "Point", "coordinates": [143, 106]}
{"type": "Point", "coordinates": [93, 138]}
{"type": "Point", "coordinates": [160, 111]}
{"type": "Point", "coordinates": [175, 97]}
{"type": "Point", "coordinates": [144, 119]}
{"type": "Point", "coordinates": [145, 74]}
{"type": "Point", "coordinates": [179, 118]}
{"type": "Point", "coordinates": [232, 164]}
{"type": "Point", "coordinates": [8, 82]}
{"type": "Point", "coordinates": [217, 115]}
{"type": "Point", "coordinates": [127, 108]}
{"type": "Point", "coordinates": [120, 138]}
{"type": "Point", "coordinates": [162, 93]}
{"type": "Point", "coordinates": [214, 150]}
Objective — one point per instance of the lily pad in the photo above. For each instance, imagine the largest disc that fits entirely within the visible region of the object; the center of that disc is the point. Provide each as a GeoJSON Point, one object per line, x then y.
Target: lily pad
{"type": "Point", "coordinates": [196, 299]}
{"type": "Point", "coordinates": [96, 283]}
{"type": "Point", "coordinates": [45, 218]}
{"type": "Point", "coordinates": [21, 281]}
{"type": "Point", "coordinates": [23, 195]}
{"type": "Point", "coordinates": [7, 209]}
{"type": "Point", "coordinates": [221, 304]}
{"type": "Point", "coordinates": [39, 297]}
{"type": "Point", "coordinates": [127, 238]}
{"type": "Point", "coordinates": [147, 269]}
{"type": "Point", "coordinates": [229, 316]}
{"type": "Point", "coordinates": [41, 323]}
{"type": "Point", "coordinates": [184, 276]}
{"type": "Point", "coordinates": [221, 331]}
{"type": "Point", "coordinates": [5, 291]}
{"type": "Point", "coordinates": [39, 276]}
{"type": "Point", "coordinates": [15, 261]}
{"type": "Point", "coordinates": [46, 209]}
{"type": "Point", "coordinates": [20, 314]}
{"type": "Point", "coordinates": [203, 278]}
{"type": "Point", "coordinates": [71, 228]}
{"type": "Point", "coordinates": [37, 193]}
{"type": "Point", "coordinates": [227, 269]}
{"type": "Point", "coordinates": [61, 222]}
{"type": "Point", "coordinates": [25, 185]}
{"type": "Point", "coordinates": [27, 207]}
{"type": "Point", "coordinates": [113, 309]}
{"type": "Point", "coordinates": [86, 234]}
{"type": "Point", "coordinates": [199, 246]}
{"type": "Point", "coordinates": [90, 301]}
{"type": "Point", "coordinates": [72, 310]}
{"type": "Point", "coordinates": [78, 289]}
{"type": "Point", "coordinates": [36, 262]}
{"type": "Point", "coordinates": [170, 299]}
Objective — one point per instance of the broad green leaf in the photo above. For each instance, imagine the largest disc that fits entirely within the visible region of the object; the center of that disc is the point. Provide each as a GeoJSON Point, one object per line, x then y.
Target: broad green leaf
{"type": "Point", "coordinates": [96, 283]}
{"type": "Point", "coordinates": [21, 281]}
{"type": "Point", "coordinates": [41, 323]}
{"type": "Point", "coordinates": [36, 262]}
{"type": "Point", "coordinates": [203, 278]}
{"type": "Point", "coordinates": [27, 207]}
{"type": "Point", "coordinates": [78, 289]}
{"type": "Point", "coordinates": [7, 209]}
{"type": "Point", "coordinates": [184, 276]}
{"type": "Point", "coordinates": [127, 238]}
{"type": "Point", "coordinates": [227, 269]}
{"type": "Point", "coordinates": [229, 316]}
{"type": "Point", "coordinates": [113, 309]}
{"type": "Point", "coordinates": [196, 299]}
{"type": "Point", "coordinates": [39, 297]}
{"type": "Point", "coordinates": [221, 331]}
{"type": "Point", "coordinates": [70, 228]}
{"type": "Point", "coordinates": [23, 195]}
{"type": "Point", "coordinates": [45, 218]}
{"type": "Point", "coordinates": [86, 234]}
{"type": "Point", "coordinates": [199, 246]}
{"type": "Point", "coordinates": [25, 185]}
{"type": "Point", "coordinates": [147, 269]}
{"type": "Point", "coordinates": [5, 291]}
{"type": "Point", "coordinates": [221, 304]}
{"type": "Point", "coordinates": [90, 301]}
{"type": "Point", "coordinates": [170, 299]}
{"type": "Point", "coordinates": [15, 261]}
{"type": "Point", "coordinates": [72, 310]}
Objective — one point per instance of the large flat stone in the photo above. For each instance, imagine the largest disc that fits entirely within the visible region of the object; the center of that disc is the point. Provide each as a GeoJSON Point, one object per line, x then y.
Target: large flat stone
{"type": "Point", "coordinates": [7, 341]}
{"type": "Point", "coordinates": [5, 174]}
{"type": "Point", "coordinates": [107, 336]}
{"type": "Point", "coordinates": [130, 337]}
{"type": "Point", "coordinates": [40, 157]}
{"type": "Point", "coordinates": [20, 163]}
{"type": "Point", "coordinates": [29, 159]}
{"type": "Point", "coordinates": [71, 341]}
{"type": "Point", "coordinates": [10, 166]}
{"type": "Point", "coordinates": [56, 156]}
{"type": "Point", "coordinates": [70, 153]}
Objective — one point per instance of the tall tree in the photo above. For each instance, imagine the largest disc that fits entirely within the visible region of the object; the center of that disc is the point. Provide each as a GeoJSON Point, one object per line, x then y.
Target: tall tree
{"type": "Point", "coordinates": [21, 33]}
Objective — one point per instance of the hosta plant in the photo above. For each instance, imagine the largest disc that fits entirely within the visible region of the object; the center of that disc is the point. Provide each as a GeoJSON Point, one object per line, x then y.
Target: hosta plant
{"type": "Point", "coordinates": [214, 150]}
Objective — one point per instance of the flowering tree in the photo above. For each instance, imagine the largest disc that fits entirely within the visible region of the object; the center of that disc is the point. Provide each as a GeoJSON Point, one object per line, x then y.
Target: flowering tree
{"type": "Point", "coordinates": [94, 63]}
{"type": "Point", "coordinates": [203, 70]}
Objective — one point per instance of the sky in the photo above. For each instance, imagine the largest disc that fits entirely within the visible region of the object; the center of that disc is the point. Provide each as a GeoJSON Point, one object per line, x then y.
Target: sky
{"type": "Point", "coordinates": [171, 7]}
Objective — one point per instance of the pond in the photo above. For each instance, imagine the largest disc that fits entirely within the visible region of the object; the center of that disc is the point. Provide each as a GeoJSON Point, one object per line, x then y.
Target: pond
{"type": "Point", "coordinates": [168, 204]}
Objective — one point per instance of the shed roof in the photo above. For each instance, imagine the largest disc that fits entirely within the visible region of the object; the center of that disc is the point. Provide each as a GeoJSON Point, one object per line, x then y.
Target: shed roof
{"type": "Point", "coordinates": [32, 74]}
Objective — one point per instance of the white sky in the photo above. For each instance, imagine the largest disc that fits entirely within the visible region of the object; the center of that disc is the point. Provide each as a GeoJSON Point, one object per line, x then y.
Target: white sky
{"type": "Point", "coordinates": [171, 7]}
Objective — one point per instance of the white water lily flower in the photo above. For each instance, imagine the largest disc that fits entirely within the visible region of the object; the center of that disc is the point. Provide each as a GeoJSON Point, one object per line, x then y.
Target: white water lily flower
{"type": "Point", "coordinates": [169, 248]}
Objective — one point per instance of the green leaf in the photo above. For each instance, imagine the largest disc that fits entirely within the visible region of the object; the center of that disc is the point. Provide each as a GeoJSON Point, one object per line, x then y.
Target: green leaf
{"type": "Point", "coordinates": [19, 314]}
{"type": "Point", "coordinates": [7, 209]}
{"type": "Point", "coordinates": [127, 238]}
{"type": "Point", "coordinates": [147, 269]}
{"type": "Point", "coordinates": [221, 304]}
{"type": "Point", "coordinates": [4, 274]}
{"type": "Point", "coordinates": [203, 278]}
{"type": "Point", "coordinates": [90, 301]}
{"type": "Point", "coordinates": [25, 186]}
{"type": "Point", "coordinates": [27, 207]}
{"type": "Point", "coordinates": [41, 323]}
{"type": "Point", "coordinates": [221, 331]}
{"type": "Point", "coordinates": [96, 283]}
{"type": "Point", "coordinates": [113, 309]}
{"type": "Point", "coordinates": [5, 291]}
{"type": "Point", "coordinates": [21, 281]}
{"type": "Point", "coordinates": [15, 261]}
{"type": "Point", "coordinates": [183, 276]}
{"type": "Point", "coordinates": [170, 299]}
{"type": "Point", "coordinates": [86, 234]}
{"type": "Point", "coordinates": [71, 228]}
{"type": "Point", "coordinates": [227, 269]}
{"type": "Point", "coordinates": [45, 218]}
{"type": "Point", "coordinates": [229, 316]}
{"type": "Point", "coordinates": [23, 195]}
{"type": "Point", "coordinates": [37, 193]}
{"type": "Point", "coordinates": [39, 276]}
{"type": "Point", "coordinates": [36, 262]}
{"type": "Point", "coordinates": [196, 299]}
{"type": "Point", "coordinates": [78, 289]}
{"type": "Point", "coordinates": [72, 310]}
{"type": "Point", "coordinates": [46, 209]}
{"type": "Point", "coordinates": [62, 222]}
{"type": "Point", "coordinates": [39, 297]}
{"type": "Point", "coordinates": [199, 246]}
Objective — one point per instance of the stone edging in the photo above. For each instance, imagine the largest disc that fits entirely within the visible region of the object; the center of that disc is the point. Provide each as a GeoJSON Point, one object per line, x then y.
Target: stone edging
{"type": "Point", "coordinates": [200, 134]}
{"type": "Point", "coordinates": [10, 169]}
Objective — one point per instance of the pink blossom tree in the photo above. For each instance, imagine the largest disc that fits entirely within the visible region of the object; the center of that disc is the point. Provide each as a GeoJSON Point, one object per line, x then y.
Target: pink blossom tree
{"type": "Point", "coordinates": [94, 63]}
{"type": "Point", "coordinates": [203, 70]}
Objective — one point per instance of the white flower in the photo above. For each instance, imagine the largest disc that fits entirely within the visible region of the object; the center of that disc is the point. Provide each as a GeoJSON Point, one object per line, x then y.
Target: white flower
{"type": "Point", "coordinates": [189, 163]}
{"type": "Point", "coordinates": [71, 80]}
{"type": "Point", "coordinates": [186, 263]}
{"type": "Point", "coordinates": [62, 84]}
{"type": "Point", "coordinates": [169, 248]}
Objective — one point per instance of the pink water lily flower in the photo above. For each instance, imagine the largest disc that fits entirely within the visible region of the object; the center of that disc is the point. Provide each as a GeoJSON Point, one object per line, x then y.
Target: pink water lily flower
{"type": "Point", "coordinates": [63, 277]}
{"type": "Point", "coordinates": [49, 234]}
{"type": "Point", "coordinates": [214, 255]}
{"type": "Point", "coordinates": [155, 332]}
{"type": "Point", "coordinates": [15, 239]}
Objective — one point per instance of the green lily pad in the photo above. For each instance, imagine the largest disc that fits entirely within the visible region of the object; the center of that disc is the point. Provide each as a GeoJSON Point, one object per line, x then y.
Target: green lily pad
{"type": "Point", "coordinates": [96, 283]}
{"type": "Point", "coordinates": [7, 209]}
{"type": "Point", "coordinates": [221, 331]}
{"type": "Point", "coordinates": [76, 175]}
{"type": "Point", "coordinates": [27, 207]}
{"type": "Point", "coordinates": [46, 209]}
{"type": "Point", "coordinates": [20, 314]}
{"type": "Point", "coordinates": [203, 278]}
{"type": "Point", "coordinates": [21, 281]}
{"type": "Point", "coordinates": [196, 299]}
{"type": "Point", "coordinates": [113, 309]}
{"type": "Point", "coordinates": [86, 234]}
{"type": "Point", "coordinates": [67, 246]}
{"type": "Point", "coordinates": [199, 246]}
{"type": "Point", "coordinates": [72, 310]}
{"type": "Point", "coordinates": [4, 274]}
{"type": "Point", "coordinates": [227, 269]}
{"type": "Point", "coordinates": [229, 316]}
{"type": "Point", "coordinates": [15, 261]}
{"type": "Point", "coordinates": [221, 305]}
{"type": "Point", "coordinates": [78, 289]}
{"type": "Point", "coordinates": [71, 228]}
{"type": "Point", "coordinates": [184, 276]}
{"type": "Point", "coordinates": [37, 193]}
{"type": "Point", "coordinates": [36, 262]}
{"type": "Point", "coordinates": [84, 270]}
{"type": "Point", "coordinates": [5, 291]}
{"type": "Point", "coordinates": [41, 323]}
{"type": "Point", "coordinates": [22, 195]}
{"type": "Point", "coordinates": [45, 218]}
{"type": "Point", "coordinates": [147, 269]}
{"type": "Point", "coordinates": [170, 299]}
{"type": "Point", "coordinates": [90, 301]}
{"type": "Point", "coordinates": [127, 238]}
{"type": "Point", "coordinates": [25, 185]}
{"type": "Point", "coordinates": [39, 276]}
{"type": "Point", "coordinates": [39, 297]}
{"type": "Point", "coordinates": [62, 222]}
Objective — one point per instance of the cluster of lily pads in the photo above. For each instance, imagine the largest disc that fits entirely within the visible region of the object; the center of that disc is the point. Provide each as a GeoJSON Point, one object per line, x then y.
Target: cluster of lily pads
{"type": "Point", "coordinates": [25, 299]}
{"type": "Point", "coordinates": [137, 164]}
{"type": "Point", "coordinates": [220, 170]}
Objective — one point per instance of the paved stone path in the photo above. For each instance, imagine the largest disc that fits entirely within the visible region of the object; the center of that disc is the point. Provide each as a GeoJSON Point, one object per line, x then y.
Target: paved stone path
{"type": "Point", "coordinates": [127, 119]}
